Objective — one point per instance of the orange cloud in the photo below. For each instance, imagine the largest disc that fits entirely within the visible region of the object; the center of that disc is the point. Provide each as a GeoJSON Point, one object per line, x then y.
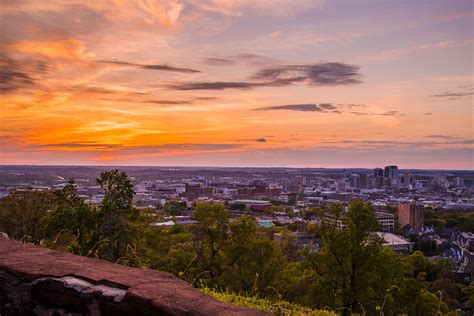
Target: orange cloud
{"type": "Point", "coordinates": [165, 12]}
{"type": "Point", "coordinates": [68, 49]}
{"type": "Point", "coordinates": [260, 7]}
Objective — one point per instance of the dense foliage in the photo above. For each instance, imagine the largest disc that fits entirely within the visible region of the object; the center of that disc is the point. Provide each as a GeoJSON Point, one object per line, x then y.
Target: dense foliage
{"type": "Point", "coordinates": [351, 272]}
{"type": "Point", "coordinates": [451, 219]}
{"type": "Point", "coordinates": [21, 213]}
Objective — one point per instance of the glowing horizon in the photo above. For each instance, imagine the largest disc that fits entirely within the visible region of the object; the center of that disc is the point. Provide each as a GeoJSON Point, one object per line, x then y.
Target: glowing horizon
{"type": "Point", "coordinates": [239, 83]}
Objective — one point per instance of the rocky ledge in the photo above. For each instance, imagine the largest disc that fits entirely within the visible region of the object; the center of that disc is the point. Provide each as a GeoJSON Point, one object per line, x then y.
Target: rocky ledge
{"type": "Point", "coordinates": [38, 281]}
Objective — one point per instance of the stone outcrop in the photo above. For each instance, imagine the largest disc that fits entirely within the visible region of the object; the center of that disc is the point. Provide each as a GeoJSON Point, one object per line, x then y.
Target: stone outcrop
{"type": "Point", "coordinates": [38, 281]}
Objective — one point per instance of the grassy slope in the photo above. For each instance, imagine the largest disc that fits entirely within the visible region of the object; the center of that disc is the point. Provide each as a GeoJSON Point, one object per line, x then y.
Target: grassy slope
{"type": "Point", "coordinates": [276, 308]}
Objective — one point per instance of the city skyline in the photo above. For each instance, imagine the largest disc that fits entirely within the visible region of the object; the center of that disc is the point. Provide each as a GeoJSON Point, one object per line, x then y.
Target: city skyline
{"type": "Point", "coordinates": [237, 83]}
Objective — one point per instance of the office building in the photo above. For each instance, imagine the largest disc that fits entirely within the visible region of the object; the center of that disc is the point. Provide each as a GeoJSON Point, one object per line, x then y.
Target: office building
{"type": "Point", "coordinates": [378, 172]}
{"type": "Point", "coordinates": [386, 220]}
{"type": "Point", "coordinates": [363, 181]}
{"type": "Point", "coordinates": [378, 175]}
{"type": "Point", "coordinates": [341, 186]}
{"type": "Point", "coordinates": [412, 215]}
{"type": "Point", "coordinates": [355, 181]}
{"type": "Point", "coordinates": [391, 173]}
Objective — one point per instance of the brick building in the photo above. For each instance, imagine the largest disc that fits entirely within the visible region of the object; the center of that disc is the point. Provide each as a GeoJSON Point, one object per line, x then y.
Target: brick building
{"type": "Point", "coordinates": [411, 214]}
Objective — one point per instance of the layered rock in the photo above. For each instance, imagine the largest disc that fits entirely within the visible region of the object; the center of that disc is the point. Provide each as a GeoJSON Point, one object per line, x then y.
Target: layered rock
{"type": "Point", "coordinates": [36, 280]}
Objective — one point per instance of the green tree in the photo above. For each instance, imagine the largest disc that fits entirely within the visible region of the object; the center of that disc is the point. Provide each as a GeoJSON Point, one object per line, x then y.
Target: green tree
{"type": "Point", "coordinates": [73, 224]}
{"type": "Point", "coordinates": [345, 263]}
{"type": "Point", "coordinates": [174, 208]}
{"type": "Point", "coordinates": [253, 262]}
{"type": "Point", "coordinates": [169, 249]}
{"type": "Point", "coordinates": [210, 236]}
{"type": "Point", "coordinates": [118, 197]}
{"type": "Point", "coordinates": [409, 291]}
{"type": "Point", "coordinates": [111, 231]}
{"type": "Point", "coordinates": [120, 224]}
{"type": "Point", "coordinates": [21, 214]}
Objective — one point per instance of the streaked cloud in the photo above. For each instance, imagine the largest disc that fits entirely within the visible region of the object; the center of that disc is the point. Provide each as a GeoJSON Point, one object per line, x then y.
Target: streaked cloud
{"type": "Point", "coordinates": [393, 54]}
{"type": "Point", "coordinates": [386, 113]}
{"type": "Point", "coordinates": [322, 74]}
{"type": "Point", "coordinates": [161, 67]}
{"type": "Point", "coordinates": [78, 146]}
{"type": "Point", "coordinates": [168, 102]}
{"type": "Point", "coordinates": [440, 136]}
{"type": "Point", "coordinates": [164, 12]}
{"type": "Point", "coordinates": [261, 7]}
{"type": "Point", "coordinates": [12, 76]}
{"type": "Point", "coordinates": [216, 85]}
{"type": "Point", "coordinates": [150, 148]}
{"type": "Point", "coordinates": [308, 107]}
{"type": "Point", "coordinates": [326, 108]}
{"type": "Point", "coordinates": [408, 144]}
{"type": "Point", "coordinates": [216, 61]}
{"type": "Point", "coordinates": [390, 113]}
{"type": "Point", "coordinates": [452, 95]}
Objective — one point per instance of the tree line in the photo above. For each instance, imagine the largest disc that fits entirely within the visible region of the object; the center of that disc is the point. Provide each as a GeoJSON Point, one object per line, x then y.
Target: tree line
{"type": "Point", "coordinates": [351, 272]}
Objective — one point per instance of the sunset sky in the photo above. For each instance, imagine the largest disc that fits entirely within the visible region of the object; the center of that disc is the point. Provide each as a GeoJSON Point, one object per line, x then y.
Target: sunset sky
{"type": "Point", "coordinates": [296, 83]}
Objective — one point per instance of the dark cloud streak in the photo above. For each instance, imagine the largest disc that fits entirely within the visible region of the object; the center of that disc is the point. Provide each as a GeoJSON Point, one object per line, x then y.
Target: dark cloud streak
{"type": "Point", "coordinates": [452, 95]}
{"type": "Point", "coordinates": [322, 74]}
{"type": "Point", "coordinates": [390, 113]}
{"type": "Point", "coordinates": [160, 67]}
{"type": "Point", "coordinates": [308, 107]}
{"type": "Point", "coordinates": [323, 108]}
{"type": "Point", "coordinates": [441, 136]}
{"type": "Point", "coordinates": [463, 92]}
{"type": "Point", "coordinates": [215, 61]}
{"type": "Point", "coordinates": [12, 76]}
{"type": "Point", "coordinates": [168, 102]}
{"type": "Point", "coordinates": [216, 85]}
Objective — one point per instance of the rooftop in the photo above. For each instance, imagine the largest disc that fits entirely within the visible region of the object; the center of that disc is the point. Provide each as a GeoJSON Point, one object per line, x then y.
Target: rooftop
{"type": "Point", "coordinates": [392, 239]}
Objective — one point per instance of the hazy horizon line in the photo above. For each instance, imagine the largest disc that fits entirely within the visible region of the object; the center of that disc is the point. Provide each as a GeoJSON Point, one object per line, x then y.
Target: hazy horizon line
{"type": "Point", "coordinates": [216, 166]}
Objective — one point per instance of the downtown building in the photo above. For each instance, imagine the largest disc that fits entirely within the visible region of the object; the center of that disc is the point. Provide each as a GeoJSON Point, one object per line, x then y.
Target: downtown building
{"type": "Point", "coordinates": [386, 221]}
{"type": "Point", "coordinates": [411, 214]}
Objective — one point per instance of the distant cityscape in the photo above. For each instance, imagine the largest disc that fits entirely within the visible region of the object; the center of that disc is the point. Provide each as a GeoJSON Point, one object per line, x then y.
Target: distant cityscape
{"type": "Point", "coordinates": [285, 197]}
{"type": "Point", "coordinates": [259, 188]}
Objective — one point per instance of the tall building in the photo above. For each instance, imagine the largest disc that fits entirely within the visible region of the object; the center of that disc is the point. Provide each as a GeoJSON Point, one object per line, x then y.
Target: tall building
{"type": "Point", "coordinates": [406, 179]}
{"type": "Point", "coordinates": [363, 181]}
{"type": "Point", "coordinates": [411, 214]}
{"type": "Point", "coordinates": [459, 182]}
{"type": "Point", "coordinates": [378, 175]}
{"type": "Point", "coordinates": [341, 186]}
{"type": "Point", "coordinates": [378, 172]}
{"type": "Point", "coordinates": [391, 172]}
{"type": "Point", "coordinates": [371, 182]}
{"type": "Point", "coordinates": [390, 175]}
{"type": "Point", "coordinates": [355, 181]}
